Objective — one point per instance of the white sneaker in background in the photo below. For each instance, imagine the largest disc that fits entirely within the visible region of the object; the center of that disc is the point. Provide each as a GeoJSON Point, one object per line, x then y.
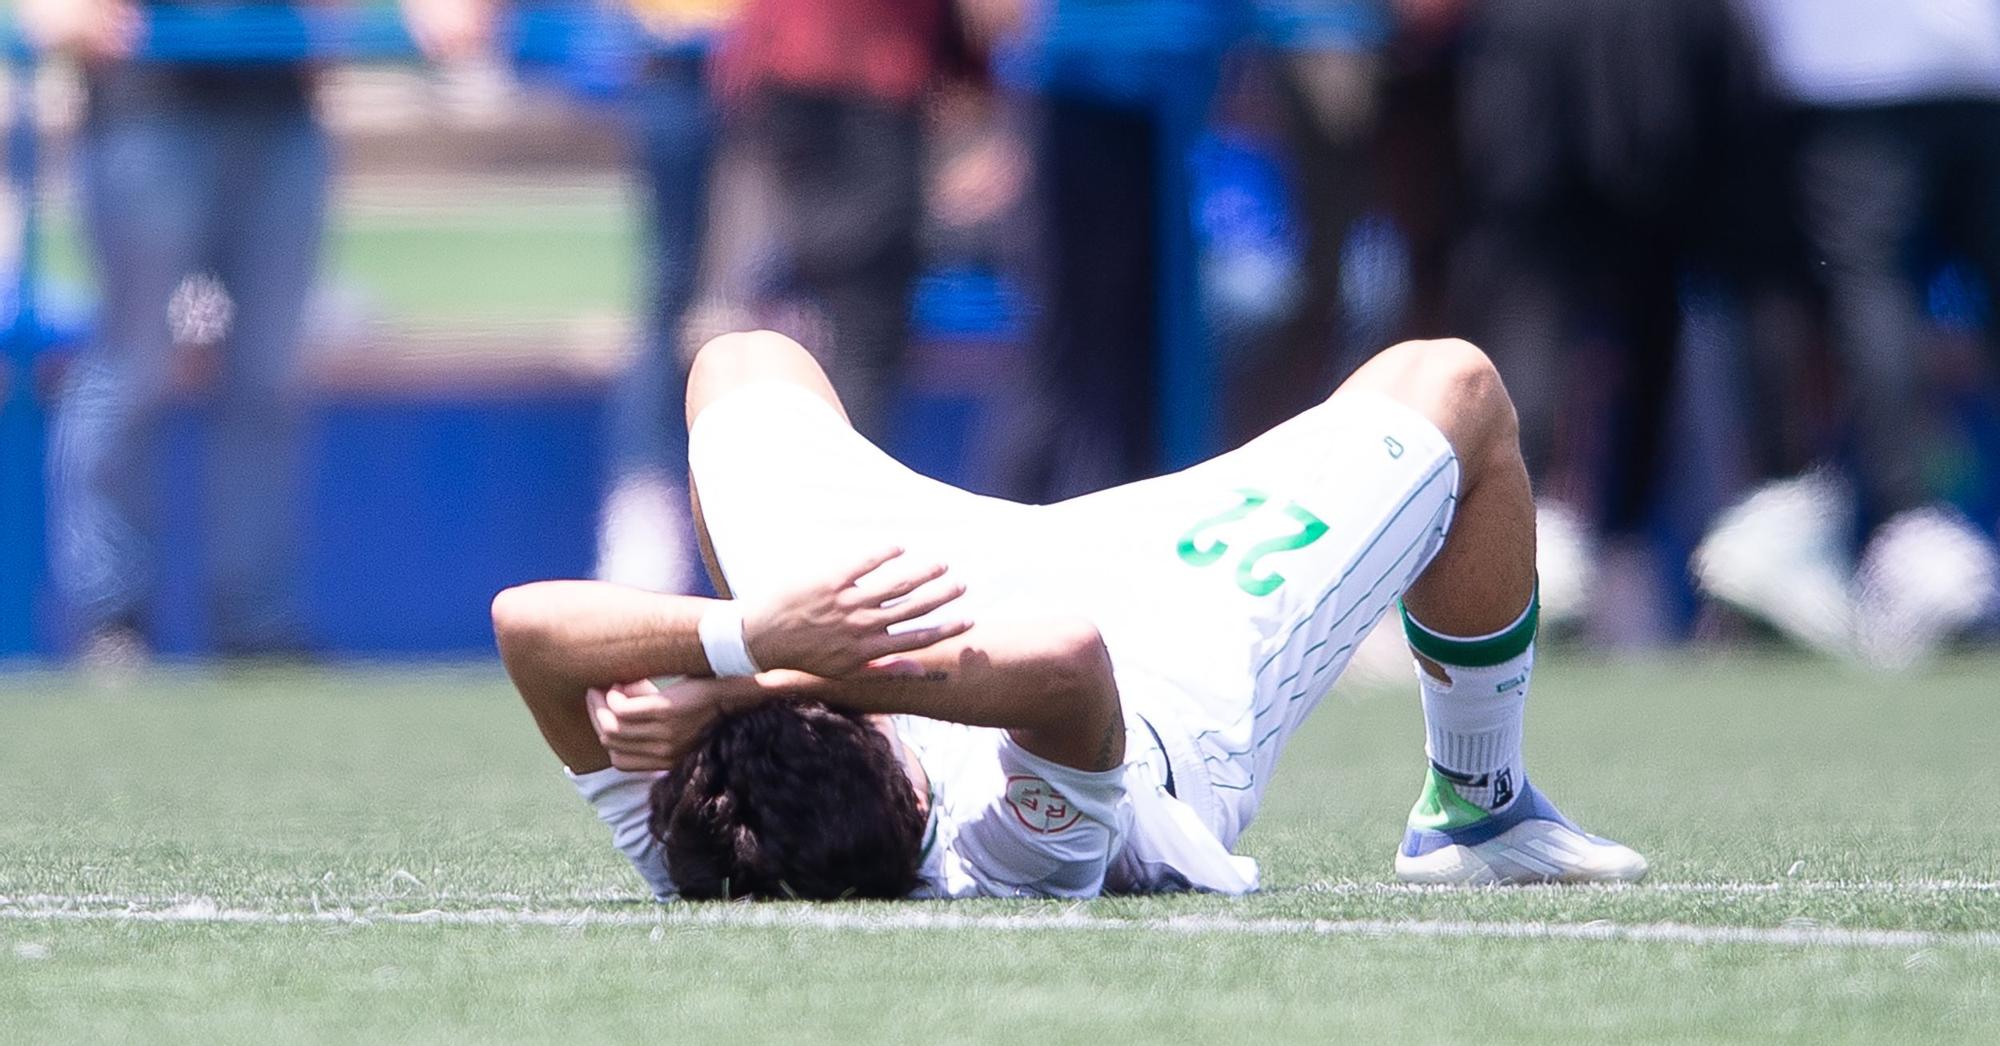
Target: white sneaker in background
{"type": "Point", "coordinates": [1926, 575]}
{"type": "Point", "coordinates": [1779, 555]}
{"type": "Point", "coordinates": [113, 657]}
{"type": "Point", "coordinates": [644, 537]}
{"type": "Point", "coordinates": [1566, 562]}
{"type": "Point", "coordinates": [1382, 660]}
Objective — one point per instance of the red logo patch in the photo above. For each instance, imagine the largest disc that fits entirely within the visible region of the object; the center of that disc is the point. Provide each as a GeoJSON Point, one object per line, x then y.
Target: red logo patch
{"type": "Point", "coordinates": [1040, 807]}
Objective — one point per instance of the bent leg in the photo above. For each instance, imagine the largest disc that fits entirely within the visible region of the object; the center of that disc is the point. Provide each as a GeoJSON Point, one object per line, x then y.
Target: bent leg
{"type": "Point", "coordinates": [729, 362]}
{"type": "Point", "coordinates": [1470, 618]}
{"type": "Point", "coordinates": [1484, 576]}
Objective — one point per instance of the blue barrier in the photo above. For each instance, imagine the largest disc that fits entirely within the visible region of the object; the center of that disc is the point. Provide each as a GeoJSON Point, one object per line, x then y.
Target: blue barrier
{"type": "Point", "coordinates": [22, 432]}
{"type": "Point", "coordinates": [591, 32]}
{"type": "Point", "coordinates": [1180, 38]}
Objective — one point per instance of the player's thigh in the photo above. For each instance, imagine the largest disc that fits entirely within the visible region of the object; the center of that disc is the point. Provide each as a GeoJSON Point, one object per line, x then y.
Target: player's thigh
{"type": "Point", "coordinates": [788, 490]}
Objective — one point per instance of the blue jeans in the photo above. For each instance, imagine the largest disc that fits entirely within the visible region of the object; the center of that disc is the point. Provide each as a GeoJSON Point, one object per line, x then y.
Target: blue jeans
{"type": "Point", "coordinates": [237, 189]}
{"type": "Point", "coordinates": [673, 131]}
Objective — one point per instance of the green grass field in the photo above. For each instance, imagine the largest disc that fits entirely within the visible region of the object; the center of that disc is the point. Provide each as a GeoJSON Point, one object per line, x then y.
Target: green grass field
{"type": "Point", "coordinates": [486, 259]}
{"type": "Point", "coordinates": [389, 855]}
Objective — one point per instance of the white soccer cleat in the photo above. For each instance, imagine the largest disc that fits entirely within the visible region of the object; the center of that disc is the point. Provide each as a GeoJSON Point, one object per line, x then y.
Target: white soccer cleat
{"type": "Point", "coordinates": [1451, 841]}
{"type": "Point", "coordinates": [1566, 564]}
{"type": "Point", "coordinates": [1927, 574]}
{"type": "Point", "coordinates": [1780, 556]}
{"type": "Point", "coordinates": [642, 535]}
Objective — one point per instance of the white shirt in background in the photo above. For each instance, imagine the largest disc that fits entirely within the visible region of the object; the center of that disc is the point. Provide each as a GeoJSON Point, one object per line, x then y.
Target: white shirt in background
{"type": "Point", "coordinates": [1880, 52]}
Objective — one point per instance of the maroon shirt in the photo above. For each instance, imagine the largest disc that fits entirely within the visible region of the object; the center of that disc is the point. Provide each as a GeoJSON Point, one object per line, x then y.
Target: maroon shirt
{"type": "Point", "coordinates": [887, 50]}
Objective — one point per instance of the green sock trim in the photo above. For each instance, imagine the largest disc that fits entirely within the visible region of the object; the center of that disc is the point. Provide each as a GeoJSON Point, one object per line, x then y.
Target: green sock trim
{"type": "Point", "coordinates": [1476, 653]}
{"type": "Point", "coordinates": [1440, 807]}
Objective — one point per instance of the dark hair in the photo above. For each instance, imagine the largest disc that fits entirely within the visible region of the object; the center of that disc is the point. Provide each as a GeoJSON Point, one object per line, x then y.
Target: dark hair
{"type": "Point", "coordinates": [789, 800]}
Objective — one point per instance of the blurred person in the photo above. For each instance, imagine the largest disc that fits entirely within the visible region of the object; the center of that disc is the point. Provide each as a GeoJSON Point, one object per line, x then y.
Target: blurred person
{"type": "Point", "coordinates": [186, 169]}
{"type": "Point", "coordinates": [1601, 145]}
{"type": "Point", "coordinates": [829, 96]}
{"type": "Point", "coordinates": [1095, 699]}
{"type": "Point", "coordinates": [1899, 115]}
{"type": "Point", "coordinates": [644, 539]}
{"type": "Point", "coordinates": [1325, 91]}
{"type": "Point", "coordinates": [1366, 125]}
{"type": "Point", "coordinates": [1092, 419]}
{"type": "Point", "coordinates": [644, 534]}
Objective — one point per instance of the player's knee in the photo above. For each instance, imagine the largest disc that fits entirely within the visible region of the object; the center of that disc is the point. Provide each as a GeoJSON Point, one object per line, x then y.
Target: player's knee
{"type": "Point", "coordinates": [1463, 377]}
{"type": "Point", "coordinates": [741, 352]}
{"type": "Point", "coordinates": [740, 357]}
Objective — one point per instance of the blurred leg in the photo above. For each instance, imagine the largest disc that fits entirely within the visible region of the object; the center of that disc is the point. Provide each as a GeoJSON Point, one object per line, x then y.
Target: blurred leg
{"type": "Point", "coordinates": [674, 134]}
{"type": "Point", "coordinates": [1095, 363]}
{"type": "Point", "coordinates": [1648, 271]}
{"type": "Point", "coordinates": [141, 180]}
{"type": "Point", "coordinates": [1863, 196]}
{"type": "Point", "coordinates": [272, 213]}
{"type": "Point", "coordinates": [1517, 297]}
{"type": "Point", "coordinates": [1328, 104]}
{"type": "Point", "coordinates": [643, 529]}
{"type": "Point", "coordinates": [1976, 132]}
{"type": "Point", "coordinates": [848, 174]}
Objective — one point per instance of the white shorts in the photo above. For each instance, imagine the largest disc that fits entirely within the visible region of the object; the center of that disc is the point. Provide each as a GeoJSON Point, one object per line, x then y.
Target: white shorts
{"type": "Point", "coordinates": [1230, 594]}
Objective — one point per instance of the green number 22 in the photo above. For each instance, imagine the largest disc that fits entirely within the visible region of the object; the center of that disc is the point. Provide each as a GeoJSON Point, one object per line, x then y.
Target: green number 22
{"type": "Point", "coordinates": [1197, 554]}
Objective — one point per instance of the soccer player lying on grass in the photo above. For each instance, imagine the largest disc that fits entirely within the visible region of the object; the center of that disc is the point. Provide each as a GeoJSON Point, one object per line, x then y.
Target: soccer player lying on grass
{"type": "Point", "coordinates": [1095, 697]}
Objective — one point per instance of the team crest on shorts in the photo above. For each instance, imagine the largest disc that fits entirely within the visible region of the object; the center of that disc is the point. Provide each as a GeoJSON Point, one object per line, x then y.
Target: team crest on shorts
{"type": "Point", "coordinates": [1039, 806]}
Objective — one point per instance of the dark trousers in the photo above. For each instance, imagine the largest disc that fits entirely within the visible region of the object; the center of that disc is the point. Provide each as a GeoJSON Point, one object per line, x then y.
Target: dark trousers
{"type": "Point", "coordinates": [1598, 177]}
{"type": "Point", "coordinates": [1091, 421]}
{"type": "Point", "coordinates": [1873, 183]}
{"type": "Point", "coordinates": [848, 175]}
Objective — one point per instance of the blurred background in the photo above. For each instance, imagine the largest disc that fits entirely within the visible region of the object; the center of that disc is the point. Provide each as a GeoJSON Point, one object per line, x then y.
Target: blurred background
{"type": "Point", "coordinates": [323, 322]}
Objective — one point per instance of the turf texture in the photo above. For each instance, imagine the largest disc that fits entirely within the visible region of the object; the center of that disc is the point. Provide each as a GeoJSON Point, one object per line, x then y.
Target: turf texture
{"type": "Point", "coordinates": [383, 854]}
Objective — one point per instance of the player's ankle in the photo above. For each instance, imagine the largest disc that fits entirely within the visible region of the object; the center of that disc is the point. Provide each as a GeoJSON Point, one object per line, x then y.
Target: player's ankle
{"type": "Point", "coordinates": [1442, 806]}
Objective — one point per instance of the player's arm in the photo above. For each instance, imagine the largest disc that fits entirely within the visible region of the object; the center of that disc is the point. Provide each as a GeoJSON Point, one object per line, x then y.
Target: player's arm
{"type": "Point", "coordinates": [562, 639]}
{"type": "Point", "coordinates": [1047, 682]}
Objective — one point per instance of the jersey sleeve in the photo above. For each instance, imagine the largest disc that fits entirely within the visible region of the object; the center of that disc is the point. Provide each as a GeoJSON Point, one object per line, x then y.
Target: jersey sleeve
{"type": "Point", "coordinates": [623, 801]}
{"type": "Point", "coordinates": [1050, 831]}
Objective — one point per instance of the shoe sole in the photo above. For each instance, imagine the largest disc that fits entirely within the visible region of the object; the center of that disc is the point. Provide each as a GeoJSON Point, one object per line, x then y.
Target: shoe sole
{"type": "Point", "coordinates": [1529, 853]}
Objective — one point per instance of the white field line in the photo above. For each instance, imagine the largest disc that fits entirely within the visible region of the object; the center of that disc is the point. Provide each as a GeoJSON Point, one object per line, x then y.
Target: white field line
{"type": "Point", "coordinates": [665, 918]}
{"type": "Point", "coordinates": [1880, 887]}
{"type": "Point", "coordinates": [416, 893]}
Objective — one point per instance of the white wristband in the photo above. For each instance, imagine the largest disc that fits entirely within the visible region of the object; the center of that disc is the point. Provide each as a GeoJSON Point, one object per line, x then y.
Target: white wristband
{"type": "Point", "coordinates": [721, 631]}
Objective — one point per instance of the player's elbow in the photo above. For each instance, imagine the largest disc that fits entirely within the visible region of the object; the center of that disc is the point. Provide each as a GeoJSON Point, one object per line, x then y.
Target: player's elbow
{"type": "Point", "coordinates": [520, 621]}
{"type": "Point", "coordinates": [1081, 724]}
{"type": "Point", "coordinates": [1079, 668]}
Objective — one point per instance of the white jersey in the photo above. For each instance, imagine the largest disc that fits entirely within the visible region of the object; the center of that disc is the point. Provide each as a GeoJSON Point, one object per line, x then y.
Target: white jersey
{"type": "Point", "coordinates": [1230, 596]}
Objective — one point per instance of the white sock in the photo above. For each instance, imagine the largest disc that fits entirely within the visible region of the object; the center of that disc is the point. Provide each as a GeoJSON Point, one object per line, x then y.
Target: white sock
{"type": "Point", "coordinates": [1473, 723]}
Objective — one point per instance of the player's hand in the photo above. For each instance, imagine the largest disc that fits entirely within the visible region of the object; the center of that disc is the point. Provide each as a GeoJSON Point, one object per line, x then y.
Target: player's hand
{"type": "Point", "coordinates": [837, 626]}
{"type": "Point", "coordinates": [91, 30]}
{"type": "Point", "coordinates": [644, 727]}
{"type": "Point", "coordinates": [450, 31]}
